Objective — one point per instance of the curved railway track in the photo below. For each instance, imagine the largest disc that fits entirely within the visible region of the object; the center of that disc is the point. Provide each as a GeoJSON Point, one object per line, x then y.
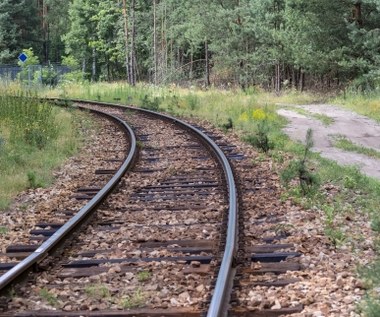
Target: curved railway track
{"type": "Point", "coordinates": [165, 242]}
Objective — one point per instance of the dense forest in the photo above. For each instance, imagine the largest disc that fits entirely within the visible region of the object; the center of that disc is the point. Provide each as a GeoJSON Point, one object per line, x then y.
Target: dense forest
{"type": "Point", "coordinates": [275, 44]}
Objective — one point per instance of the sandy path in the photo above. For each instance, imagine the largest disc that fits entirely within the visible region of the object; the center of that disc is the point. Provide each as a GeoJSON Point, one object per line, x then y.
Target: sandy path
{"type": "Point", "coordinates": [359, 129]}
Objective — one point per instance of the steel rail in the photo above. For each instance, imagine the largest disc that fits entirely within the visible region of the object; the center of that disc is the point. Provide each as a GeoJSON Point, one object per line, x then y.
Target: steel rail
{"type": "Point", "coordinates": [220, 299]}
{"type": "Point", "coordinates": [59, 236]}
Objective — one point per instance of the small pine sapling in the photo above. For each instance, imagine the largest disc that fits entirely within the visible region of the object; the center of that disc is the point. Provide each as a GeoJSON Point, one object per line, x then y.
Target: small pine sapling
{"type": "Point", "coordinates": [299, 169]}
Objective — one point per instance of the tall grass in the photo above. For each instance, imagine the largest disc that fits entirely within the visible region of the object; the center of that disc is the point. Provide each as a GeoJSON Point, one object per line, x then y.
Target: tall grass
{"type": "Point", "coordinates": [367, 104]}
{"type": "Point", "coordinates": [34, 138]}
{"type": "Point", "coordinates": [28, 120]}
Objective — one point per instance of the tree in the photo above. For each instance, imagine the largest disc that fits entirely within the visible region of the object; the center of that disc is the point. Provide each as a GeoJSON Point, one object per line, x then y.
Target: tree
{"type": "Point", "coordinates": [81, 32]}
{"type": "Point", "coordinates": [20, 27]}
{"type": "Point", "coordinates": [56, 25]}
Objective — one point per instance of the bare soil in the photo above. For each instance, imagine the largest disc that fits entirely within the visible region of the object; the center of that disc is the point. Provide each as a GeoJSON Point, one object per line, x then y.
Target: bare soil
{"type": "Point", "coordinates": [359, 129]}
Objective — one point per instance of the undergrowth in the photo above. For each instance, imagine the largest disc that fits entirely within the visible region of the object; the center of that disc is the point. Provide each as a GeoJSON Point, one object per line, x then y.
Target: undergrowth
{"type": "Point", "coordinates": [35, 137]}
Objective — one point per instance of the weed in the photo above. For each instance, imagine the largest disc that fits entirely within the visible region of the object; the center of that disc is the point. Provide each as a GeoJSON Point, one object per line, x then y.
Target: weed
{"type": "Point", "coordinates": [277, 156]}
{"type": "Point", "coordinates": [3, 230]}
{"type": "Point", "coordinates": [336, 236]}
{"type": "Point", "coordinates": [174, 102]}
{"type": "Point", "coordinates": [135, 300]}
{"type": "Point", "coordinates": [143, 276]}
{"type": "Point", "coordinates": [329, 214]}
{"type": "Point", "coordinates": [349, 182]}
{"type": "Point", "coordinates": [326, 120]}
{"type": "Point", "coordinates": [140, 144]}
{"type": "Point", "coordinates": [2, 144]}
{"type": "Point", "coordinates": [227, 126]}
{"type": "Point", "coordinates": [35, 138]}
{"type": "Point", "coordinates": [307, 180]}
{"type": "Point", "coordinates": [283, 229]}
{"type": "Point", "coordinates": [48, 296]}
{"type": "Point", "coordinates": [192, 101]}
{"type": "Point", "coordinates": [261, 138]}
{"type": "Point", "coordinates": [97, 291]}
{"type": "Point", "coordinates": [375, 223]}
{"type": "Point", "coordinates": [11, 293]}
{"type": "Point", "coordinates": [150, 104]}
{"type": "Point", "coordinates": [371, 308]}
{"type": "Point", "coordinates": [33, 181]}
{"type": "Point", "coordinates": [341, 142]}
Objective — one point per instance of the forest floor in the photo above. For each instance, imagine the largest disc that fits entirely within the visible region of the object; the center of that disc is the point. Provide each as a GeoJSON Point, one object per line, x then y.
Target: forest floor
{"type": "Point", "coordinates": [341, 135]}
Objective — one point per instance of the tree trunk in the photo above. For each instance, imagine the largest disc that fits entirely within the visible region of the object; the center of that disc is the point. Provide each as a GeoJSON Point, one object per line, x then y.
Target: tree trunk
{"type": "Point", "coordinates": [302, 80]}
{"type": "Point", "coordinates": [126, 40]}
{"type": "Point", "coordinates": [357, 13]}
{"type": "Point", "coordinates": [155, 43]}
{"type": "Point", "coordinates": [294, 78]}
{"type": "Point", "coordinates": [207, 79]}
{"type": "Point", "coordinates": [191, 65]}
{"type": "Point", "coordinates": [277, 78]}
{"type": "Point", "coordinates": [133, 53]}
{"type": "Point", "coordinates": [93, 74]}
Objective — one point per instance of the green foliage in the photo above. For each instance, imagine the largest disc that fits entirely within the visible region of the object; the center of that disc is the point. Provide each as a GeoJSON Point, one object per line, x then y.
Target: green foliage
{"type": "Point", "coordinates": [152, 104]}
{"type": "Point", "coordinates": [308, 181]}
{"type": "Point", "coordinates": [261, 138]}
{"type": "Point", "coordinates": [192, 101]}
{"type": "Point", "coordinates": [272, 44]}
{"type": "Point", "coordinates": [343, 143]}
{"type": "Point", "coordinates": [97, 291]}
{"type": "Point", "coordinates": [173, 103]}
{"type": "Point", "coordinates": [3, 230]}
{"type": "Point", "coordinates": [134, 300]}
{"type": "Point", "coordinates": [28, 72]}
{"type": "Point", "coordinates": [33, 180]}
{"type": "Point", "coordinates": [46, 295]}
{"type": "Point", "coordinates": [28, 119]}
{"type": "Point", "coordinates": [143, 276]}
{"type": "Point", "coordinates": [20, 27]}
{"type": "Point", "coordinates": [70, 61]}
{"type": "Point", "coordinates": [229, 125]}
{"type": "Point", "coordinates": [35, 137]}
{"type": "Point", "coordinates": [336, 235]}
{"type": "Point", "coordinates": [375, 223]}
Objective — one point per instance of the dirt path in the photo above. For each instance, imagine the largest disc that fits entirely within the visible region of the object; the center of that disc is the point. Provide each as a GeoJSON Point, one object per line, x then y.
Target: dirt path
{"type": "Point", "coordinates": [359, 129]}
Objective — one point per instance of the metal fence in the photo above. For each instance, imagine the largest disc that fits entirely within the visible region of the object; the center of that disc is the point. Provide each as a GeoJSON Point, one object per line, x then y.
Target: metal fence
{"type": "Point", "coordinates": [34, 74]}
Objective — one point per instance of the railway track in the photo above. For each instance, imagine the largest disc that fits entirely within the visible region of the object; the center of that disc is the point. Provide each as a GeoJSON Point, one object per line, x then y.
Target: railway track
{"type": "Point", "coordinates": [165, 243]}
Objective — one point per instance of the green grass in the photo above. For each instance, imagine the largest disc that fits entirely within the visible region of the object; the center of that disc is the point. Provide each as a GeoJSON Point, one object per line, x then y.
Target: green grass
{"type": "Point", "coordinates": [326, 120]}
{"type": "Point", "coordinates": [135, 300]}
{"type": "Point", "coordinates": [3, 230]}
{"type": "Point", "coordinates": [97, 291]}
{"type": "Point", "coordinates": [46, 295]}
{"type": "Point", "coordinates": [143, 276]}
{"type": "Point", "coordinates": [35, 138]}
{"type": "Point", "coordinates": [341, 142]}
{"type": "Point", "coordinates": [366, 104]}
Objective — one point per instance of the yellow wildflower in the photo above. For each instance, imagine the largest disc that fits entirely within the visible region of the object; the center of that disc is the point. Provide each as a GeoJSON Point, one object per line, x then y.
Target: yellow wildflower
{"type": "Point", "coordinates": [244, 117]}
{"type": "Point", "coordinates": [258, 114]}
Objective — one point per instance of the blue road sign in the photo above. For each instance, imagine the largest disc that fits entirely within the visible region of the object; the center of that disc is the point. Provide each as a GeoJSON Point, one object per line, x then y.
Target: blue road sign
{"type": "Point", "coordinates": [23, 57]}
